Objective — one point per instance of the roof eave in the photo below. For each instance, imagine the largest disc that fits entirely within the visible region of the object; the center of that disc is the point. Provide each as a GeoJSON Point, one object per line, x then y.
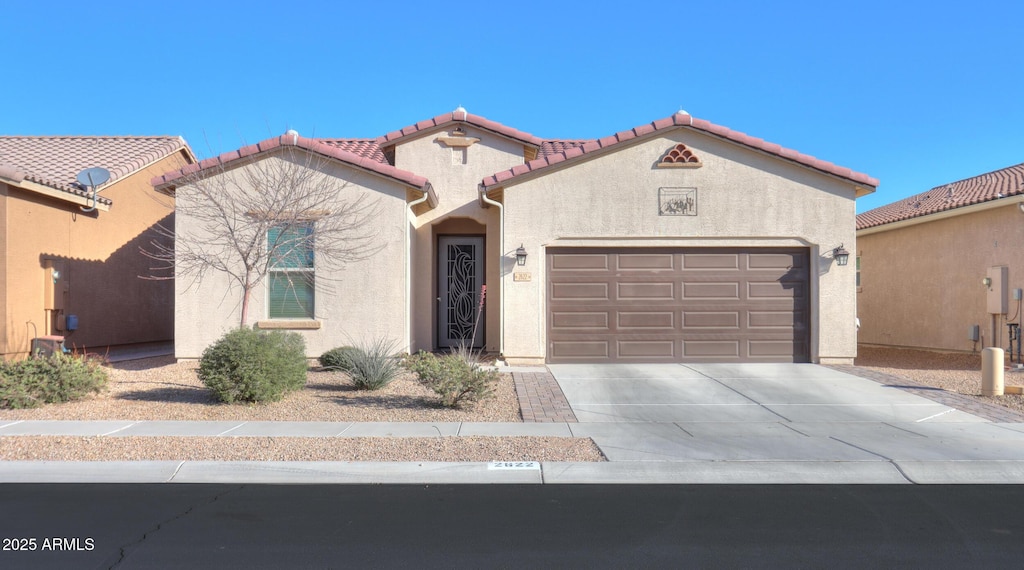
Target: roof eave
{"type": "Point", "coordinates": [44, 190]}
{"type": "Point", "coordinates": [942, 215]}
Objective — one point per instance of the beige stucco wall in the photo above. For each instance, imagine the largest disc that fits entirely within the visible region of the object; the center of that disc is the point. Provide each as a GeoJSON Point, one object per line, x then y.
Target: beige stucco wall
{"type": "Point", "coordinates": [744, 199]}
{"type": "Point", "coordinates": [921, 284]}
{"type": "Point", "coordinates": [458, 199]}
{"type": "Point", "coordinates": [100, 261]}
{"type": "Point", "coordinates": [364, 301]}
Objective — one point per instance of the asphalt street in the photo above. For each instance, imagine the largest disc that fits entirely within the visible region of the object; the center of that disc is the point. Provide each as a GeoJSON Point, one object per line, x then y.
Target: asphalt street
{"type": "Point", "coordinates": [510, 526]}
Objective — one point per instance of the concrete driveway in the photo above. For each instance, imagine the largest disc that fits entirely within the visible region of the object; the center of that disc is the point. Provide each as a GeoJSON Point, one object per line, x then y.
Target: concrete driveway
{"type": "Point", "coordinates": [772, 412]}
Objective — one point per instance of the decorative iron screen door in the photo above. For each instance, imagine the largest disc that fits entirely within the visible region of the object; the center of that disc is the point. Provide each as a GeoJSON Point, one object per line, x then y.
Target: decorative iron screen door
{"type": "Point", "coordinates": [460, 274]}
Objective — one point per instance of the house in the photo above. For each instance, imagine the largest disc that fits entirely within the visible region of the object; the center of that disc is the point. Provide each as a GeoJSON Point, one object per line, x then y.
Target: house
{"type": "Point", "coordinates": [71, 263]}
{"type": "Point", "coordinates": [942, 270]}
{"type": "Point", "coordinates": [675, 241]}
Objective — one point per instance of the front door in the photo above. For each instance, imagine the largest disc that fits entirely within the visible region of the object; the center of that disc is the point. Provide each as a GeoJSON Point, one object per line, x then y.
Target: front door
{"type": "Point", "coordinates": [460, 274]}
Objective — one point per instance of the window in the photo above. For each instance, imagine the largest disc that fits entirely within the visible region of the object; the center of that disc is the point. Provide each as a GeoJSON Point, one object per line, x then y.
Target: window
{"type": "Point", "coordinates": [858, 272]}
{"type": "Point", "coordinates": [291, 271]}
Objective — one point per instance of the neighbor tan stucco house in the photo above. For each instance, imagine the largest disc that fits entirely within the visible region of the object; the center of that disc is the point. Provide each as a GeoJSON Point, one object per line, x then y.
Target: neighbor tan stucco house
{"type": "Point", "coordinates": [70, 256]}
{"type": "Point", "coordinates": [938, 270]}
{"type": "Point", "coordinates": [675, 241]}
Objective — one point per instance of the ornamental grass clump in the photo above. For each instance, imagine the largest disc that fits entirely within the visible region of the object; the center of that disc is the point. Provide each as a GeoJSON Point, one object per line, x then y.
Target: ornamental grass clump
{"type": "Point", "coordinates": [458, 380]}
{"type": "Point", "coordinates": [247, 365]}
{"type": "Point", "coordinates": [54, 379]}
{"type": "Point", "coordinates": [373, 365]}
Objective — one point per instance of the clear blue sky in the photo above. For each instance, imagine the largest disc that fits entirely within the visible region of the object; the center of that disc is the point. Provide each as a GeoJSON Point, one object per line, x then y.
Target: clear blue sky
{"type": "Point", "coordinates": [915, 93]}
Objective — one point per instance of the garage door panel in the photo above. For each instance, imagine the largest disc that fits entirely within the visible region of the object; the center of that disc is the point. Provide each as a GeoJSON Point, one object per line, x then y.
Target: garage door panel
{"type": "Point", "coordinates": [644, 349]}
{"type": "Point", "coordinates": [678, 305]}
{"type": "Point", "coordinates": [775, 290]}
{"type": "Point", "coordinates": [711, 261]}
{"type": "Point", "coordinates": [578, 262]}
{"type": "Point", "coordinates": [579, 291]}
{"type": "Point", "coordinates": [645, 291]}
{"type": "Point", "coordinates": [645, 262]}
{"type": "Point", "coordinates": [711, 290]}
{"type": "Point", "coordinates": [645, 320]}
{"type": "Point", "coordinates": [711, 348]}
{"type": "Point", "coordinates": [591, 320]}
{"type": "Point", "coordinates": [580, 351]}
{"type": "Point", "coordinates": [693, 320]}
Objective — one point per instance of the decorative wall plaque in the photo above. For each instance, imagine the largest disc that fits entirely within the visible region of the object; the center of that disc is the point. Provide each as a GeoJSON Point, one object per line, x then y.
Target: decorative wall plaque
{"type": "Point", "coordinates": [677, 201]}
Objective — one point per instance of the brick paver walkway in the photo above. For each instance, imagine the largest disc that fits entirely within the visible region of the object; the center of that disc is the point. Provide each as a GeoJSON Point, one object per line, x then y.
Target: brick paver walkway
{"type": "Point", "coordinates": [541, 399]}
{"type": "Point", "coordinates": [962, 402]}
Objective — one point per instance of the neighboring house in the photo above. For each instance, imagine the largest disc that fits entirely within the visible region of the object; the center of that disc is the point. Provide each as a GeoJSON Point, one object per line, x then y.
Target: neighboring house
{"type": "Point", "coordinates": [675, 241]}
{"type": "Point", "coordinates": [71, 257]}
{"type": "Point", "coordinates": [923, 263]}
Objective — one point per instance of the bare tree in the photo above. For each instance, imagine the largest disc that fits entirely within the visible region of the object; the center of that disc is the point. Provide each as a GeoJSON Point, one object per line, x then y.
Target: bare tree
{"type": "Point", "coordinates": [278, 212]}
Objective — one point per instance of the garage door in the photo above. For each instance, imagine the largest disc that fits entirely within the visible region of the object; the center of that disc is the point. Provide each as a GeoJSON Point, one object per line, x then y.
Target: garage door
{"type": "Point", "coordinates": [672, 305]}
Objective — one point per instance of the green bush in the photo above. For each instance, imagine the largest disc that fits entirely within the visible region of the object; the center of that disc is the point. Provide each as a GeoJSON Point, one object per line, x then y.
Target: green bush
{"type": "Point", "coordinates": [373, 365]}
{"type": "Point", "coordinates": [58, 378]}
{"type": "Point", "coordinates": [247, 365]}
{"type": "Point", "coordinates": [456, 379]}
{"type": "Point", "coordinates": [339, 358]}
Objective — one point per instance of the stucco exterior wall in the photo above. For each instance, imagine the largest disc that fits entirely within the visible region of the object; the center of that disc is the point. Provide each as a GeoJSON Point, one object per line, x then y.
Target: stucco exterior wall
{"type": "Point", "coordinates": [458, 198]}
{"type": "Point", "coordinates": [921, 285]}
{"type": "Point", "coordinates": [363, 301]}
{"type": "Point", "coordinates": [100, 264]}
{"type": "Point", "coordinates": [744, 199]}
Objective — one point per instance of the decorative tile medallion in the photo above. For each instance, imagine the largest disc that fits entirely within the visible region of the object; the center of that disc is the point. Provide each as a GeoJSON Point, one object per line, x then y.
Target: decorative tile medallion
{"type": "Point", "coordinates": [677, 201]}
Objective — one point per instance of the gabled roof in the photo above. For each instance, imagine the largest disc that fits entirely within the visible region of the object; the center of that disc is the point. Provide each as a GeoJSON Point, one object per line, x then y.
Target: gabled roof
{"type": "Point", "coordinates": [975, 190]}
{"type": "Point", "coordinates": [54, 162]}
{"type": "Point", "coordinates": [680, 119]}
{"type": "Point", "coordinates": [459, 115]}
{"type": "Point", "coordinates": [323, 148]}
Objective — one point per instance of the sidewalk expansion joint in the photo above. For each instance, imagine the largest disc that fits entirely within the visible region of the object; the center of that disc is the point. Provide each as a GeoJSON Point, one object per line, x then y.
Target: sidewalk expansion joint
{"type": "Point", "coordinates": [112, 432]}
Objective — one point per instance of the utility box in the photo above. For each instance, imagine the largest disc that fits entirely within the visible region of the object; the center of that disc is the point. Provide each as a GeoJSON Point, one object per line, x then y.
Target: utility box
{"type": "Point", "coordinates": [47, 346]}
{"type": "Point", "coordinates": [998, 290]}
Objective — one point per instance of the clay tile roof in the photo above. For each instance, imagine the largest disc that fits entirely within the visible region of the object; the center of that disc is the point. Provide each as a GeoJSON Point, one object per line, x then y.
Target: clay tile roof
{"type": "Point", "coordinates": [366, 148]}
{"type": "Point", "coordinates": [457, 116]}
{"type": "Point", "coordinates": [55, 161]}
{"type": "Point", "coordinates": [548, 148]}
{"type": "Point", "coordinates": [681, 119]}
{"type": "Point", "coordinates": [982, 188]}
{"type": "Point", "coordinates": [338, 149]}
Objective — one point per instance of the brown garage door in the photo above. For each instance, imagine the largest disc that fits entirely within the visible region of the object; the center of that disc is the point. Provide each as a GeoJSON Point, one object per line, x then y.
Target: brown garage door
{"type": "Point", "coordinates": [678, 305]}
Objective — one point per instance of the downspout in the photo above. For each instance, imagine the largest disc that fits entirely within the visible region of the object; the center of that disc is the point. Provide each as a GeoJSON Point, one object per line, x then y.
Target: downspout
{"type": "Point", "coordinates": [501, 266]}
{"type": "Point", "coordinates": [408, 268]}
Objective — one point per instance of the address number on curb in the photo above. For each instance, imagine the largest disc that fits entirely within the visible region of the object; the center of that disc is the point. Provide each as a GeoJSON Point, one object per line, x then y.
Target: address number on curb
{"type": "Point", "coordinates": [514, 465]}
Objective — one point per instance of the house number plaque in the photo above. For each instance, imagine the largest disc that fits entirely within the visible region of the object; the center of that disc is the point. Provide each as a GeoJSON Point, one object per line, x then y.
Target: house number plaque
{"type": "Point", "coordinates": [521, 276]}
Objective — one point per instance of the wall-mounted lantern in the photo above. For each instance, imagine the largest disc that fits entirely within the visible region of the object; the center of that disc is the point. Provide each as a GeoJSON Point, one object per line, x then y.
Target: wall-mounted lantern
{"type": "Point", "coordinates": [841, 256]}
{"type": "Point", "coordinates": [521, 255]}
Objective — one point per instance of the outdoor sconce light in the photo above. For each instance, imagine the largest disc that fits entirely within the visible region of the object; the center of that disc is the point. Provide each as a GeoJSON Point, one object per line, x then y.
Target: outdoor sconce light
{"type": "Point", "coordinates": [520, 255]}
{"type": "Point", "coordinates": [841, 256]}
{"type": "Point", "coordinates": [986, 281]}
{"type": "Point", "coordinates": [56, 275]}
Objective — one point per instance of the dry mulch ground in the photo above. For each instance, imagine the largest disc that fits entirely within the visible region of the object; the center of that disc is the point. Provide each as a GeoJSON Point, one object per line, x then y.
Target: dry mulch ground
{"type": "Point", "coordinates": [162, 389]}
{"type": "Point", "coordinates": [954, 372]}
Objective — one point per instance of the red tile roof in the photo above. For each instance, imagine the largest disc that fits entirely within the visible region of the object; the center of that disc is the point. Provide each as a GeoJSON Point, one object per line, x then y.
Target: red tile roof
{"type": "Point", "coordinates": [680, 119]}
{"type": "Point", "coordinates": [335, 150]}
{"type": "Point", "coordinates": [457, 116]}
{"type": "Point", "coordinates": [975, 190]}
{"type": "Point", "coordinates": [55, 161]}
{"type": "Point", "coordinates": [366, 148]}
{"type": "Point", "coordinates": [548, 148]}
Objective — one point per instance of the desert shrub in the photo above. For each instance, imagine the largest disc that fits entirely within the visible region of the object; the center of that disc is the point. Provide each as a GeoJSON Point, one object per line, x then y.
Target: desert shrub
{"type": "Point", "coordinates": [374, 365]}
{"type": "Point", "coordinates": [247, 365]}
{"type": "Point", "coordinates": [458, 380]}
{"type": "Point", "coordinates": [339, 358]}
{"type": "Point", "coordinates": [57, 378]}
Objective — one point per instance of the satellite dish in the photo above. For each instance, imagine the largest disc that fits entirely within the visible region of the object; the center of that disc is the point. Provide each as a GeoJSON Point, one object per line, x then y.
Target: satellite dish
{"type": "Point", "coordinates": [91, 178]}
{"type": "Point", "coordinates": [94, 176]}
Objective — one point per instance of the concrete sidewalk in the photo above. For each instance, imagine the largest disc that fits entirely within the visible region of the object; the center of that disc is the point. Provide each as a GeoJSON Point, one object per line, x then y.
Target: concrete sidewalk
{"type": "Point", "coordinates": [669, 424]}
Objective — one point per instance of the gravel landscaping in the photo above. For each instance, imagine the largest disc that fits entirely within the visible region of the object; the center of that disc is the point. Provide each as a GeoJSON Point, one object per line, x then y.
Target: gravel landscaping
{"type": "Point", "coordinates": [953, 372]}
{"type": "Point", "coordinates": [162, 389]}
